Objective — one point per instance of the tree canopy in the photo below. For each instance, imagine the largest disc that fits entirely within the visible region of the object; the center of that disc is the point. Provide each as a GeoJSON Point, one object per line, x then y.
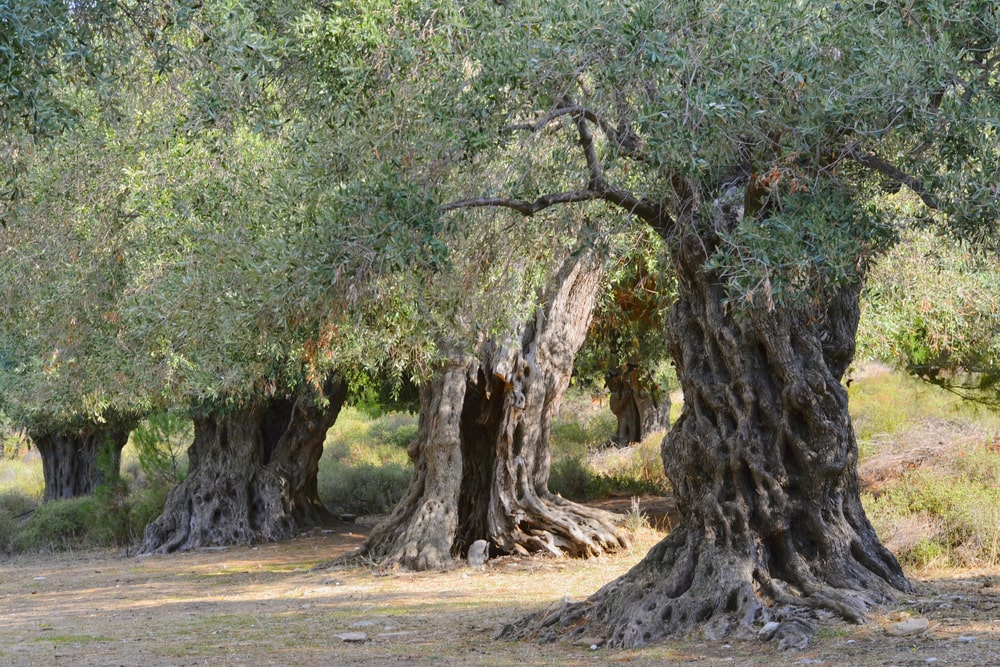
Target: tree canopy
{"type": "Point", "coordinates": [933, 308]}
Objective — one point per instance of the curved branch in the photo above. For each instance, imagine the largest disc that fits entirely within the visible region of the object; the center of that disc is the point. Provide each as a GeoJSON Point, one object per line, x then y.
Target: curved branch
{"type": "Point", "coordinates": [566, 110]}
{"type": "Point", "coordinates": [523, 206]}
{"type": "Point", "coordinates": [597, 188]}
{"type": "Point", "coordinates": [854, 152]}
{"type": "Point", "coordinates": [643, 209]}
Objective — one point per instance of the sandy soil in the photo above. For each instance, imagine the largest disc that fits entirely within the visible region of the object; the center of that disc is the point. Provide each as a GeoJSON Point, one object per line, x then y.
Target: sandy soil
{"type": "Point", "coordinates": [264, 606]}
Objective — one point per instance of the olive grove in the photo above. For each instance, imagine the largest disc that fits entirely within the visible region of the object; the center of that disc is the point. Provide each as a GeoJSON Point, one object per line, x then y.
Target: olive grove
{"type": "Point", "coordinates": [297, 193]}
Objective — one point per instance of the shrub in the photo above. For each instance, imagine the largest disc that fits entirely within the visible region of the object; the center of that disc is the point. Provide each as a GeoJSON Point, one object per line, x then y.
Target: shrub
{"type": "Point", "coordinates": [948, 515]}
{"type": "Point", "coordinates": [57, 524]}
{"type": "Point", "coordinates": [160, 442]}
{"type": "Point", "coordinates": [364, 489]}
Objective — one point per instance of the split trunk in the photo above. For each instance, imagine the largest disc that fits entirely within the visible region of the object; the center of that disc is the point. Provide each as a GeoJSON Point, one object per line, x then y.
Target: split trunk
{"type": "Point", "coordinates": [481, 456]}
{"type": "Point", "coordinates": [251, 476]}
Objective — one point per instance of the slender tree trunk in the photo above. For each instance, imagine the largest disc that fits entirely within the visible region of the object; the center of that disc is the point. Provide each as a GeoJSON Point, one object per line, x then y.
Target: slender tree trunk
{"type": "Point", "coordinates": [639, 407]}
{"type": "Point", "coordinates": [481, 457]}
{"type": "Point", "coordinates": [71, 461]}
{"type": "Point", "coordinates": [763, 464]}
{"type": "Point", "coordinates": [251, 476]}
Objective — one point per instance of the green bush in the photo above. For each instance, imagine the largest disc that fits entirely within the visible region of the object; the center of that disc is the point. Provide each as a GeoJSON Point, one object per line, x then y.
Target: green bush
{"type": "Point", "coordinates": [578, 480]}
{"type": "Point", "coordinates": [145, 506]}
{"type": "Point", "coordinates": [955, 507]}
{"type": "Point", "coordinates": [364, 489]}
{"type": "Point", "coordinates": [58, 524]}
{"type": "Point", "coordinates": [15, 508]}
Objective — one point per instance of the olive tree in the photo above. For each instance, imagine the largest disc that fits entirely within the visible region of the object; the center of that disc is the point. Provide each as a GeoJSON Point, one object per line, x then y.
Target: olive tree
{"type": "Point", "coordinates": [753, 137]}
{"type": "Point", "coordinates": [187, 246]}
{"type": "Point", "coordinates": [932, 307]}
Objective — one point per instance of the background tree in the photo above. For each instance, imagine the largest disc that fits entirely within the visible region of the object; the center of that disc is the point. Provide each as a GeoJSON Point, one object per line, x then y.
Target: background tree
{"type": "Point", "coordinates": [203, 250]}
{"type": "Point", "coordinates": [481, 455]}
{"type": "Point", "coordinates": [624, 350]}
{"type": "Point", "coordinates": [932, 307]}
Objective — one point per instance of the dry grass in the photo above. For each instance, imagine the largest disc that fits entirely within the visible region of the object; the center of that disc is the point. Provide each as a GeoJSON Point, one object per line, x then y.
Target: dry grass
{"type": "Point", "coordinates": [256, 606]}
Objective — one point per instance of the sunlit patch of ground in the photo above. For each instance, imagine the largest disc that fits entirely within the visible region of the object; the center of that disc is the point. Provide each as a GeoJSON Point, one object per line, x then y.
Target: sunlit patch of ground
{"type": "Point", "coordinates": [263, 606]}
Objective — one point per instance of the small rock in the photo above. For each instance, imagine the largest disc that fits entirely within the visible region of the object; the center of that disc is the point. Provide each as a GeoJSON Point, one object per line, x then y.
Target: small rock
{"type": "Point", "coordinates": [930, 660]}
{"type": "Point", "coordinates": [794, 634]}
{"type": "Point", "coordinates": [353, 637]}
{"type": "Point", "coordinates": [852, 641]}
{"type": "Point", "coordinates": [766, 632]}
{"type": "Point", "coordinates": [965, 639]}
{"type": "Point", "coordinates": [363, 624]}
{"type": "Point", "coordinates": [478, 554]}
{"type": "Point", "coordinates": [593, 647]}
{"type": "Point", "coordinates": [911, 626]}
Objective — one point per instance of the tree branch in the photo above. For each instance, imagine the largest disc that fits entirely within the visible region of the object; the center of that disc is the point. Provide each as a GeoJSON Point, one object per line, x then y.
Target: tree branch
{"type": "Point", "coordinates": [623, 138]}
{"type": "Point", "coordinates": [597, 188]}
{"type": "Point", "coordinates": [589, 152]}
{"type": "Point", "coordinates": [566, 110]}
{"type": "Point", "coordinates": [647, 211]}
{"type": "Point", "coordinates": [523, 206]}
{"type": "Point", "coordinates": [854, 152]}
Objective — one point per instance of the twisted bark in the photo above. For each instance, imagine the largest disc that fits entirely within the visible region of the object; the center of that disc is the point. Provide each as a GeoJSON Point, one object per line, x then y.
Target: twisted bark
{"type": "Point", "coordinates": [251, 476]}
{"type": "Point", "coordinates": [70, 458]}
{"type": "Point", "coordinates": [481, 456]}
{"type": "Point", "coordinates": [763, 462]}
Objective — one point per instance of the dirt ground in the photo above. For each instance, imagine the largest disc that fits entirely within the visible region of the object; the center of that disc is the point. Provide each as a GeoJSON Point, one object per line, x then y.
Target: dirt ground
{"type": "Point", "coordinates": [262, 605]}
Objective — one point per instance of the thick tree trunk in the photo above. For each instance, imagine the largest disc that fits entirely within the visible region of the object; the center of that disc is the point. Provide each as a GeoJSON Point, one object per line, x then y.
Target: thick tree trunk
{"type": "Point", "coordinates": [71, 461]}
{"type": "Point", "coordinates": [763, 465]}
{"type": "Point", "coordinates": [639, 407]}
{"type": "Point", "coordinates": [481, 456]}
{"type": "Point", "coordinates": [251, 477]}
{"type": "Point", "coordinates": [420, 532]}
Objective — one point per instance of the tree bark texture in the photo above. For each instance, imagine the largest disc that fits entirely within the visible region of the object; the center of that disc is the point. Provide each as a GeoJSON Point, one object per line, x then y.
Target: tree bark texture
{"type": "Point", "coordinates": [763, 462]}
{"type": "Point", "coordinates": [251, 476]}
{"type": "Point", "coordinates": [482, 454]}
{"type": "Point", "coordinates": [420, 532]}
{"type": "Point", "coordinates": [639, 407]}
{"type": "Point", "coordinates": [71, 462]}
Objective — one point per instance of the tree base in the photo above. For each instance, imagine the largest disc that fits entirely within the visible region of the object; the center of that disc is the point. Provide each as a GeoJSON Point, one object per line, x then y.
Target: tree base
{"type": "Point", "coordinates": [687, 584]}
{"type": "Point", "coordinates": [252, 476]}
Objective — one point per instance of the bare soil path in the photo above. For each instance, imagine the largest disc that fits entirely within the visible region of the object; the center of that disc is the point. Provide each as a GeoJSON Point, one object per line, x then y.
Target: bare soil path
{"type": "Point", "coordinates": [262, 605]}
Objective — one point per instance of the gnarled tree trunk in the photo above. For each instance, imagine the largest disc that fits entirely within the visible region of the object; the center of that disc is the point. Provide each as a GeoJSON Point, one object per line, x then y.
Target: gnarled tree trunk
{"type": "Point", "coordinates": [71, 459]}
{"type": "Point", "coordinates": [251, 476]}
{"type": "Point", "coordinates": [639, 407]}
{"type": "Point", "coordinates": [481, 456]}
{"type": "Point", "coordinates": [763, 465]}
